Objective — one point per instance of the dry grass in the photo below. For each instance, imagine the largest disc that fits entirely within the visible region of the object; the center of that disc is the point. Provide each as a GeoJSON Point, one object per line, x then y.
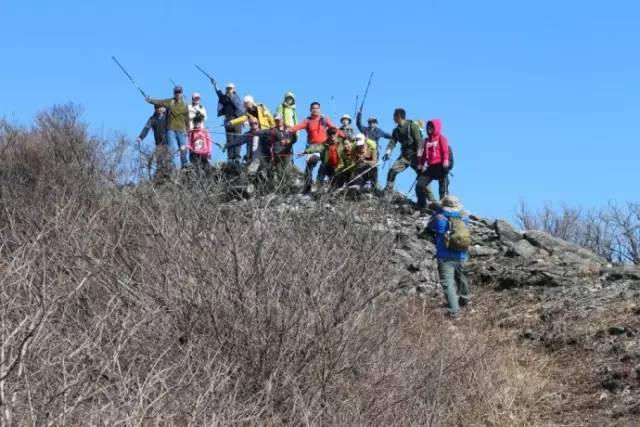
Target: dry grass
{"type": "Point", "coordinates": [142, 306]}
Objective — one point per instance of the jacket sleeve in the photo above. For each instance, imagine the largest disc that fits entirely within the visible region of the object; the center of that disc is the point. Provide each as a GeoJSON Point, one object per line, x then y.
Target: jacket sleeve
{"type": "Point", "coordinates": [314, 148]}
{"type": "Point", "coordinates": [444, 149]}
{"type": "Point", "coordinates": [280, 110]}
{"type": "Point", "coordinates": [299, 126]}
{"type": "Point", "coordinates": [239, 120]}
{"type": "Point", "coordinates": [204, 113]}
{"type": "Point", "coordinates": [146, 129]}
{"type": "Point", "coordinates": [439, 224]}
{"type": "Point", "coordinates": [425, 155]}
{"type": "Point", "coordinates": [384, 134]}
{"type": "Point", "coordinates": [166, 103]}
{"type": "Point", "coordinates": [392, 142]}
{"type": "Point", "coordinates": [240, 140]}
{"type": "Point", "coordinates": [359, 122]}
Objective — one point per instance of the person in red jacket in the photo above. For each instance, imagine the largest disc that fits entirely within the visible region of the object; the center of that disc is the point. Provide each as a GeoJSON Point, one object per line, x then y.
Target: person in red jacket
{"type": "Point", "coordinates": [316, 126]}
{"type": "Point", "coordinates": [199, 146]}
{"type": "Point", "coordinates": [434, 164]}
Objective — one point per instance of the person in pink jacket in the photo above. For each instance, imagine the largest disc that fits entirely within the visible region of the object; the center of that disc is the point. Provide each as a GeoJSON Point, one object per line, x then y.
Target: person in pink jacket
{"type": "Point", "coordinates": [199, 146]}
{"type": "Point", "coordinates": [434, 164]}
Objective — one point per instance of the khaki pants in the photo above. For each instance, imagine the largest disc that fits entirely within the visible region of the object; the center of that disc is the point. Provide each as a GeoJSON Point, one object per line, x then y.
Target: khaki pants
{"type": "Point", "coordinates": [399, 166]}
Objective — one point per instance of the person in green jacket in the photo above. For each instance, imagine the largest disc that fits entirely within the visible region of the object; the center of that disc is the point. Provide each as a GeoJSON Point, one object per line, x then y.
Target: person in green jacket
{"type": "Point", "coordinates": [177, 121]}
{"type": "Point", "coordinates": [287, 110]}
{"type": "Point", "coordinates": [408, 135]}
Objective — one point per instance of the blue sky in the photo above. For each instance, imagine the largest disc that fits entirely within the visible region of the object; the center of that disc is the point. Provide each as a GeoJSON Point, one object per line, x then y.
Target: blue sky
{"type": "Point", "coordinates": [541, 101]}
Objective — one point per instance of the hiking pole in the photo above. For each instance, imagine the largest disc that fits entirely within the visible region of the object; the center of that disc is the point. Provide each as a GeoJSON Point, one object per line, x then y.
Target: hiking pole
{"type": "Point", "coordinates": [355, 112]}
{"type": "Point", "coordinates": [204, 72]}
{"type": "Point", "coordinates": [366, 91]}
{"type": "Point", "coordinates": [172, 82]}
{"type": "Point", "coordinates": [129, 76]}
{"type": "Point", "coordinates": [363, 173]}
{"type": "Point", "coordinates": [411, 188]}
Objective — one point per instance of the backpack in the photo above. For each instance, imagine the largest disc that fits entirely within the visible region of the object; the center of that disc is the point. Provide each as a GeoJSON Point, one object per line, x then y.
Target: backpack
{"type": "Point", "coordinates": [450, 158]}
{"type": "Point", "coordinates": [457, 237]}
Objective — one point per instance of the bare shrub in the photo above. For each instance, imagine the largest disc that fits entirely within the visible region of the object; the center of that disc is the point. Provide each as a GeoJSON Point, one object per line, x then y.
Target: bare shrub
{"type": "Point", "coordinates": [164, 306]}
{"type": "Point", "coordinates": [613, 232]}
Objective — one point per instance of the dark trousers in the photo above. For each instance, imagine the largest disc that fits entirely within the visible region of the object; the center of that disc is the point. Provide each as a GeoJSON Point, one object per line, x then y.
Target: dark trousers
{"type": "Point", "coordinates": [200, 161]}
{"type": "Point", "coordinates": [336, 179]}
{"type": "Point", "coordinates": [399, 166]}
{"type": "Point", "coordinates": [233, 153]}
{"type": "Point", "coordinates": [423, 192]}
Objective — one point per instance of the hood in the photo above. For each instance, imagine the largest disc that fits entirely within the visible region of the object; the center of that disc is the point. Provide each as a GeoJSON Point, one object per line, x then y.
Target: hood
{"type": "Point", "coordinates": [287, 95]}
{"type": "Point", "coordinates": [437, 126]}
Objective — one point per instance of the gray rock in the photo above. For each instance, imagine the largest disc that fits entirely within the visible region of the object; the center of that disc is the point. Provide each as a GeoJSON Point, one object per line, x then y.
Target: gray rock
{"type": "Point", "coordinates": [526, 250]}
{"type": "Point", "coordinates": [565, 251]}
{"type": "Point", "coordinates": [506, 232]}
{"type": "Point", "coordinates": [482, 251]}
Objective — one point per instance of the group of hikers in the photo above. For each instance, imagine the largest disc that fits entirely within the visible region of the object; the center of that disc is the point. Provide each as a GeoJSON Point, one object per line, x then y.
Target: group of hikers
{"type": "Point", "coordinates": [345, 158]}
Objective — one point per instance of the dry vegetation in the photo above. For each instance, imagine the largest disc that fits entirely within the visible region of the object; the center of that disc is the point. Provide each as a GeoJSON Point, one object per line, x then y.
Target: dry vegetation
{"type": "Point", "coordinates": [143, 306]}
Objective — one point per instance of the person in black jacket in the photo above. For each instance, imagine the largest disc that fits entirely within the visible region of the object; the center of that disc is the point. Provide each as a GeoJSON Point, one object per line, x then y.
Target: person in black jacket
{"type": "Point", "coordinates": [158, 124]}
{"type": "Point", "coordinates": [230, 107]}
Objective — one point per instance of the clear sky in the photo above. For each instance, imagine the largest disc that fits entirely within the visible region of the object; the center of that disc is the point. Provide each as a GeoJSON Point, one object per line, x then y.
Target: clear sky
{"type": "Point", "coordinates": [540, 100]}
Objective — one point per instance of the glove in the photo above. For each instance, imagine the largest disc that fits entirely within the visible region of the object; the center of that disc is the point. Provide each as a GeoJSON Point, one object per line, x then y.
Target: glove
{"type": "Point", "coordinates": [148, 99]}
{"type": "Point", "coordinates": [445, 165]}
{"type": "Point", "coordinates": [385, 157]}
{"type": "Point", "coordinates": [228, 126]}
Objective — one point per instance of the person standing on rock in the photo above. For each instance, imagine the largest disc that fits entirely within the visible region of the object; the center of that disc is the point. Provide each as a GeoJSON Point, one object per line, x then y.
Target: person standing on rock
{"type": "Point", "coordinates": [230, 107]}
{"type": "Point", "coordinates": [434, 164]}
{"type": "Point", "coordinates": [158, 123]}
{"type": "Point", "coordinates": [199, 144]}
{"type": "Point", "coordinates": [196, 107]}
{"type": "Point", "coordinates": [316, 126]}
{"type": "Point", "coordinates": [408, 135]}
{"type": "Point", "coordinates": [287, 110]}
{"type": "Point", "coordinates": [177, 121]}
{"type": "Point", "coordinates": [346, 127]}
{"type": "Point", "coordinates": [452, 242]}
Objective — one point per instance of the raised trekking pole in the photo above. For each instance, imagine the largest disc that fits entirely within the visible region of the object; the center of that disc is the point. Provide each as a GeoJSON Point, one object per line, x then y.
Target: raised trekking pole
{"type": "Point", "coordinates": [366, 91]}
{"type": "Point", "coordinates": [129, 76]}
{"type": "Point", "coordinates": [204, 72]}
{"type": "Point", "coordinates": [172, 82]}
{"type": "Point", "coordinates": [355, 112]}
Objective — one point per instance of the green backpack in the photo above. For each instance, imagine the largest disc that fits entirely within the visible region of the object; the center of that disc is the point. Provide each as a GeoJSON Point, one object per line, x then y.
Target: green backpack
{"type": "Point", "coordinates": [457, 237]}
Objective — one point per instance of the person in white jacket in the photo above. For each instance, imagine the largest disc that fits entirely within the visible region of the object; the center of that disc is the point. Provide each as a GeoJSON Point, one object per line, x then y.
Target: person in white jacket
{"type": "Point", "coordinates": [194, 108]}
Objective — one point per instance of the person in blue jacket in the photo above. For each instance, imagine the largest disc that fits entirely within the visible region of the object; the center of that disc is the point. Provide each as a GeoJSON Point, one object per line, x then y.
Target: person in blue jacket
{"type": "Point", "coordinates": [450, 262]}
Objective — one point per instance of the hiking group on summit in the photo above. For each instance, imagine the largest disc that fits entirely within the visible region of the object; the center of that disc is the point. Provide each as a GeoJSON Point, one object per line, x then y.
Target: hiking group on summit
{"type": "Point", "coordinates": [345, 158]}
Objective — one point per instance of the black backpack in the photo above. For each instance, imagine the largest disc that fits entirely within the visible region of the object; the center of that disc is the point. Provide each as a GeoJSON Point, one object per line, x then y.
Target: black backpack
{"type": "Point", "coordinates": [450, 158]}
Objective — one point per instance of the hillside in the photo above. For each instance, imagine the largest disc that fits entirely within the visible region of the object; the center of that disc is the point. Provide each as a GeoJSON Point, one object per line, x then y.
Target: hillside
{"type": "Point", "coordinates": [178, 305]}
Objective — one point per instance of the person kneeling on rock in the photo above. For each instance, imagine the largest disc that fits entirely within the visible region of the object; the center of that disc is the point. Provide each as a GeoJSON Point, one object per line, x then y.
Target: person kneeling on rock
{"type": "Point", "coordinates": [450, 224]}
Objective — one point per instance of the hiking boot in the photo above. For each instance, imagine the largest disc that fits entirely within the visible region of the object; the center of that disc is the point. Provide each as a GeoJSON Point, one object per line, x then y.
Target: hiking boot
{"type": "Point", "coordinates": [453, 315]}
{"type": "Point", "coordinates": [463, 302]}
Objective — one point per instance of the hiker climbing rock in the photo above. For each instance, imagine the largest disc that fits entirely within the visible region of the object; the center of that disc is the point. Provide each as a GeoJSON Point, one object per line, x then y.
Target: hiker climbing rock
{"type": "Point", "coordinates": [408, 135]}
{"type": "Point", "coordinates": [199, 146]}
{"type": "Point", "coordinates": [434, 164]}
{"type": "Point", "coordinates": [196, 107]}
{"type": "Point", "coordinates": [230, 107]}
{"type": "Point", "coordinates": [452, 243]}
{"type": "Point", "coordinates": [177, 121]}
{"type": "Point", "coordinates": [158, 124]}
{"type": "Point", "coordinates": [316, 126]}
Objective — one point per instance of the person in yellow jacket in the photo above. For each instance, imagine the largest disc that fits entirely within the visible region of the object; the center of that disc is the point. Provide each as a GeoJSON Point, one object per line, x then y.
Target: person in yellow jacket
{"type": "Point", "coordinates": [259, 111]}
{"type": "Point", "coordinates": [365, 158]}
{"type": "Point", "coordinates": [287, 109]}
